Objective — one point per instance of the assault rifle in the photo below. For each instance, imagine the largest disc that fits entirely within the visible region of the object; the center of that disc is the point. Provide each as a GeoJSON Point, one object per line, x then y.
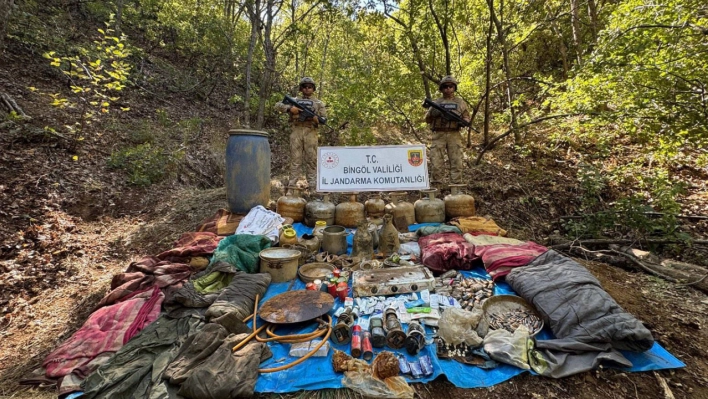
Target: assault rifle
{"type": "Point", "coordinates": [451, 116]}
{"type": "Point", "coordinates": [304, 110]}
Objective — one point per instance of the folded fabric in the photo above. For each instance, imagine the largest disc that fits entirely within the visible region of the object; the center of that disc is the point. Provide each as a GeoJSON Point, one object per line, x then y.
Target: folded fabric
{"type": "Point", "coordinates": [227, 374]}
{"type": "Point", "coordinates": [192, 297]}
{"type": "Point", "coordinates": [470, 224]}
{"type": "Point", "coordinates": [241, 251]}
{"type": "Point", "coordinates": [442, 228]}
{"type": "Point", "coordinates": [445, 251]}
{"type": "Point", "coordinates": [558, 358]}
{"type": "Point", "coordinates": [106, 330]}
{"type": "Point", "coordinates": [191, 244]}
{"type": "Point", "coordinates": [195, 350]}
{"type": "Point", "coordinates": [222, 223]}
{"type": "Point", "coordinates": [240, 296]}
{"type": "Point", "coordinates": [135, 371]}
{"type": "Point", "coordinates": [147, 272]}
{"type": "Point", "coordinates": [501, 258]}
{"type": "Point", "coordinates": [488, 239]}
{"type": "Point", "coordinates": [558, 286]}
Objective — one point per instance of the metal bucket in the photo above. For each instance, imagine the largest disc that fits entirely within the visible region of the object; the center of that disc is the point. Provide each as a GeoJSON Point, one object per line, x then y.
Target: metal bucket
{"type": "Point", "coordinates": [280, 263]}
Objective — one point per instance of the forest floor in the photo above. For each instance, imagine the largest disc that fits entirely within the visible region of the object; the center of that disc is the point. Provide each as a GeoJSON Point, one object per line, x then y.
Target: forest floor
{"type": "Point", "coordinates": [67, 226]}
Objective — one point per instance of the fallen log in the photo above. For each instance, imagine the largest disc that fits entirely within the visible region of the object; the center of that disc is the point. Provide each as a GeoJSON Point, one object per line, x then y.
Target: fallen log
{"type": "Point", "coordinates": [680, 273]}
{"type": "Point", "coordinates": [608, 241]}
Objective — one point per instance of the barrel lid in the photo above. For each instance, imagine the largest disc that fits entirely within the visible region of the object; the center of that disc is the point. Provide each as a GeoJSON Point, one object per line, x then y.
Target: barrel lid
{"type": "Point", "coordinates": [247, 132]}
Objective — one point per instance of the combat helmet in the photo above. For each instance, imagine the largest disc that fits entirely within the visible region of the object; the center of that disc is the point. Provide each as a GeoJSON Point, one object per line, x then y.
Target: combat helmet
{"type": "Point", "coordinates": [307, 80]}
{"type": "Point", "coordinates": [447, 79]}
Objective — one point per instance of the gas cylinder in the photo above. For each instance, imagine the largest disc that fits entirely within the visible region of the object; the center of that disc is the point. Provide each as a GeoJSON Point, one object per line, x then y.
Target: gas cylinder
{"type": "Point", "coordinates": [457, 203]}
{"type": "Point", "coordinates": [429, 209]}
{"type": "Point", "coordinates": [349, 214]}
{"type": "Point", "coordinates": [363, 242]}
{"type": "Point", "coordinates": [375, 206]}
{"type": "Point", "coordinates": [403, 214]}
{"type": "Point", "coordinates": [319, 209]}
{"type": "Point", "coordinates": [292, 205]}
{"type": "Point", "coordinates": [389, 243]}
{"type": "Point", "coordinates": [393, 197]}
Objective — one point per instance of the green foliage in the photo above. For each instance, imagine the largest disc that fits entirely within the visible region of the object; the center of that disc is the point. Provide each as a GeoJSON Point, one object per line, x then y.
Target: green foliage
{"type": "Point", "coordinates": [651, 210]}
{"type": "Point", "coordinates": [144, 164]}
{"type": "Point", "coordinates": [96, 74]}
{"type": "Point", "coordinates": [646, 78]}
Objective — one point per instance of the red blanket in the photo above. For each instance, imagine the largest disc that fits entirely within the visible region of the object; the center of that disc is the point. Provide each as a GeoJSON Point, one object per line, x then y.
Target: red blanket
{"type": "Point", "coordinates": [105, 331]}
{"type": "Point", "coordinates": [501, 258]}
{"type": "Point", "coordinates": [445, 251]}
{"type": "Point", "coordinates": [191, 244]}
{"type": "Point", "coordinates": [147, 272]}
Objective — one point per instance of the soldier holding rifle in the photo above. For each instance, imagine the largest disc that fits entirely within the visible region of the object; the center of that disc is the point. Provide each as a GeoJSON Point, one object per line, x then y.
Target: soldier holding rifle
{"type": "Point", "coordinates": [305, 119]}
{"type": "Point", "coordinates": [446, 117]}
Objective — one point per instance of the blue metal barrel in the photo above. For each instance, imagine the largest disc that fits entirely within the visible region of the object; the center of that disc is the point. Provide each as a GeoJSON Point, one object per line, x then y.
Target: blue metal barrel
{"type": "Point", "coordinates": [247, 170]}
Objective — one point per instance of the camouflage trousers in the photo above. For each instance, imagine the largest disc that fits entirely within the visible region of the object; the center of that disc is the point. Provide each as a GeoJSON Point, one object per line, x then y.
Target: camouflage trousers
{"type": "Point", "coordinates": [303, 155]}
{"type": "Point", "coordinates": [450, 142]}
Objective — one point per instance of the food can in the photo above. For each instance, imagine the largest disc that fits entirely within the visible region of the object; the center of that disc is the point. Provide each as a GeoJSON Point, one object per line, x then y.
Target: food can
{"type": "Point", "coordinates": [332, 289]}
{"type": "Point", "coordinates": [416, 370]}
{"type": "Point", "coordinates": [356, 341]}
{"type": "Point", "coordinates": [426, 365]}
{"type": "Point", "coordinates": [310, 287]}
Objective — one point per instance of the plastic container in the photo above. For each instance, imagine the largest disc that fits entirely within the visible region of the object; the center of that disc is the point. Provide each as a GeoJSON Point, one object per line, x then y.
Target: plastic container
{"type": "Point", "coordinates": [247, 170]}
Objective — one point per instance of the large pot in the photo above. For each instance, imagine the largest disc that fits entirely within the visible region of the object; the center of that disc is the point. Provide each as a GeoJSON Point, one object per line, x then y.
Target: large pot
{"type": "Point", "coordinates": [334, 240]}
{"type": "Point", "coordinates": [280, 263]}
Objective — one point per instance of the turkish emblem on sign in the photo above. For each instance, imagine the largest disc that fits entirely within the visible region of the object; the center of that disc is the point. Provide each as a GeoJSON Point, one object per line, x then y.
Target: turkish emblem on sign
{"type": "Point", "coordinates": [415, 157]}
{"type": "Point", "coordinates": [330, 160]}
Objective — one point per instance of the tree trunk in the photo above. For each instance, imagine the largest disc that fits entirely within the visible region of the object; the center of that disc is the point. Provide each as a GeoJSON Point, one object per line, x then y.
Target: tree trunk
{"type": "Point", "coordinates": [487, 73]}
{"type": "Point", "coordinates": [575, 23]}
{"type": "Point", "coordinates": [592, 14]}
{"type": "Point", "coordinates": [253, 8]}
{"type": "Point", "coordinates": [119, 15]}
{"type": "Point", "coordinates": [442, 29]}
{"type": "Point", "coordinates": [5, 11]}
{"type": "Point", "coordinates": [501, 37]}
{"type": "Point", "coordinates": [563, 50]}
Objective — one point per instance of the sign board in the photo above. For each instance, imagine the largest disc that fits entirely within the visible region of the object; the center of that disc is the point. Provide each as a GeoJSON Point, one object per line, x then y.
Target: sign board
{"type": "Point", "coordinates": [379, 168]}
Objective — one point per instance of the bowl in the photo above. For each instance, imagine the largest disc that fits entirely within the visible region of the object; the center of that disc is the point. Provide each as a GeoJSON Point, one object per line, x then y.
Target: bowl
{"type": "Point", "coordinates": [310, 272]}
{"type": "Point", "coordinates": [498, 305]}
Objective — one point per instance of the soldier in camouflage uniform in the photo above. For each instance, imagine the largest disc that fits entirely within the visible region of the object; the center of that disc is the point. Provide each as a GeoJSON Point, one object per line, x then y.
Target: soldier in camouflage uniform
{"type": "Point", "coordinates": [303, 138]}
{"type": "Point", "coordinates": [446, 134]}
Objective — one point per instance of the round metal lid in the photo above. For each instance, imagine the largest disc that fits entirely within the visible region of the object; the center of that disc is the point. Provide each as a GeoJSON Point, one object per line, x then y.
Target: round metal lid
{"type": "Point", "coordinates": [247, 132]}
{"type": "Point", "coordinates": [296, 306]}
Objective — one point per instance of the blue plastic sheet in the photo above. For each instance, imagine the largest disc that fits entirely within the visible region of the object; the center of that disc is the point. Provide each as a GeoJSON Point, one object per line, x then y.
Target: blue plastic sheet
{"type": "Point", "coordinates": [317, 372]}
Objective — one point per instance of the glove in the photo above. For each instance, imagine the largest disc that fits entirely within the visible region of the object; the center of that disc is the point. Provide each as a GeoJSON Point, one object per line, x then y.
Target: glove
{"type": "Point", "coordinates": [434, 113]}
{"type": "Point", "coordinates": [294, 110]}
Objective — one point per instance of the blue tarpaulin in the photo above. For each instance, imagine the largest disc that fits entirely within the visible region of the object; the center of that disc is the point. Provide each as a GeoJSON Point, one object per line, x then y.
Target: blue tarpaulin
{"type": "Point", "coordinates": [317, 372]}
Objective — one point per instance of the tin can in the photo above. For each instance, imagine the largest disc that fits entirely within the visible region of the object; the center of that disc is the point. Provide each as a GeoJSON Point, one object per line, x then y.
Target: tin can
{"type": "Point", "coordinates": [356, 341]}
{"type": "Point", "coordinates": [342, 284]}
{"type": "Point", "coordinates": [426, 365]}
{"type": "Point", "coordinates": [403, 364]}
{"type": "Point", "coordinates": [366, 348]}
{"type": "Point", "coordinates": [317, 283]}
{"type": "Point", "coordinates": [416, 370]}
{"type": "Point", "coordinates": [332, 289]}
{"type": "Point", "coordinates": [336, 272]}
{"type": "Point", "coordinates": [310, 287]}
{"type": "Point", "coordinates": [342, 293]}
